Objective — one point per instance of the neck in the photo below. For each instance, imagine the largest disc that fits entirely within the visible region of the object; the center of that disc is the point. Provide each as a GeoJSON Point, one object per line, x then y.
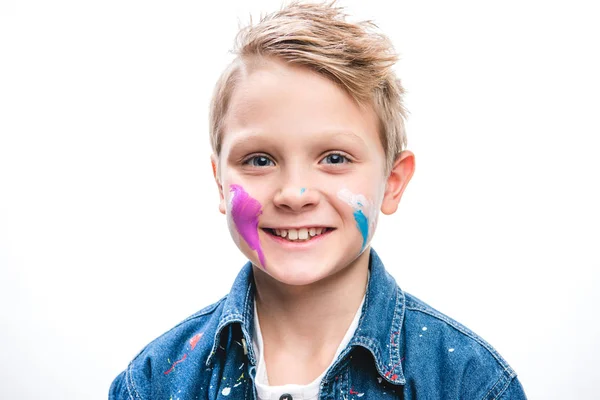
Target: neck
{"type": "Point", "coordinates": [308, 322]}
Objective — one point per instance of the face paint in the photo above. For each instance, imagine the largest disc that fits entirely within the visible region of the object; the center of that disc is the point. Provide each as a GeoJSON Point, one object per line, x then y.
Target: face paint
{"type": "Point", "coordinates": [363, 226]}
{"type": "Point", "coordinates": [362, 212]}
{"type": "Point", "coordinates": [302, 190]}
{"type": "Point", "coordinates": [244, 212]}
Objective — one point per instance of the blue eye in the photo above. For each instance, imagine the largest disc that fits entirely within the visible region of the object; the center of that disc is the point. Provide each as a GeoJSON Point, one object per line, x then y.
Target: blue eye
{"type": "Point", "coordinates": [259, 161]}
{"type": "Point", "coordinates": [335, 158]}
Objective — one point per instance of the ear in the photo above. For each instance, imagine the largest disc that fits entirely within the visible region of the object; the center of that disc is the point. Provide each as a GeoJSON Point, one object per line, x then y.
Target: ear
{"type": "Point", "coordinates": [402, 171]}
{"type": "Point", "coordinates": [214, 161]}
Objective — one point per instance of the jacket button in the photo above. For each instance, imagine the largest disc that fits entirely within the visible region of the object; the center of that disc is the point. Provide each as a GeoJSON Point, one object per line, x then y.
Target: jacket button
{"type": "Point", "coordinates": [286, 396]}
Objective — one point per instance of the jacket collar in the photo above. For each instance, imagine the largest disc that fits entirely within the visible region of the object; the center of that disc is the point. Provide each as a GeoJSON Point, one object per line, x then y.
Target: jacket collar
{"type": "Point", "coordinates": [380, 336]}
{"type": "Point", "coordinates": [238, 308]}
{"type": "Point", "coordinates": [380, 325]}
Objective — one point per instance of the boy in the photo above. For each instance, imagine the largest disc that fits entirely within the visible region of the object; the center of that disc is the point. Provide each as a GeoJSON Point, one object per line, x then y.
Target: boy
{"type": "Point", "coordinates": [307, 130]}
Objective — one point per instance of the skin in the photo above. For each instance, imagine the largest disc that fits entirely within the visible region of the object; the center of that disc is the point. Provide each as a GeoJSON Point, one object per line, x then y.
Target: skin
{"type": "Point", "coordinates": [296, 119]}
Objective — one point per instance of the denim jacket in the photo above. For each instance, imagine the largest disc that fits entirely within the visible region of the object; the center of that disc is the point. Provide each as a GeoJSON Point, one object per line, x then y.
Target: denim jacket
{"type": "Point", "coordinates": [402, 349]}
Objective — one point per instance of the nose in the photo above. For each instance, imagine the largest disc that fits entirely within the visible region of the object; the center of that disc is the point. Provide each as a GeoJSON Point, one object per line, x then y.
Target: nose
{"type": "Point", "coordinates": [296, 198]}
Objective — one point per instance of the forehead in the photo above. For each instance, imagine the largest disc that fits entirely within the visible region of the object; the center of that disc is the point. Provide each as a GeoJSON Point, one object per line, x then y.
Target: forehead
{"type": "Point", "coordinates": [275, 97]}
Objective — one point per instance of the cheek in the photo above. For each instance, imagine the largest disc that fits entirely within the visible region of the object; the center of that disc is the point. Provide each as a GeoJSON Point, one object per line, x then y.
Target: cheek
{"type": "Point", "coordinates": [228, 198]}
{"type": "Point", "coordinates": [363, 212]}
{"type": "Point", "coordinates": [243, 212]}
{"type": "Point", "coordinates": [235, 235]}
{"type": "Point", "coordinates": [362, 223]}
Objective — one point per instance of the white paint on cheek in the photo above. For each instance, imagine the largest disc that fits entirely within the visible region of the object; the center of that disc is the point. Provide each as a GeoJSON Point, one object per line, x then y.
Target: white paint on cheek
{"type": "Point", "coordinates": [356, 201]}
{"type": "Point", "coordinates": [360, 202]}
{"type": "Point", "coordinates": [235, 235]}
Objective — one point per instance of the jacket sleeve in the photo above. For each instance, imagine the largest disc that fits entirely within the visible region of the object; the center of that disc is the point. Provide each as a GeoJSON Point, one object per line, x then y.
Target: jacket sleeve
{"type": "Point", "coordinates": [118, 389]}
{"type": "Point", "coordinates": [514, 391]}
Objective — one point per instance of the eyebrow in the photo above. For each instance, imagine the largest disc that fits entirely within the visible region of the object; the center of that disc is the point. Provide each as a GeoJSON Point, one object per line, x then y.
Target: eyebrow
{"type": "Point", "coordinates": [349, 135]}
{"type": "Point", "coordinates": [255, 137]}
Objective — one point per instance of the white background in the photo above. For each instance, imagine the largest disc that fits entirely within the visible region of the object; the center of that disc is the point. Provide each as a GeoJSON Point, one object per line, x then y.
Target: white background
{"type": "Point", "coordinates": [109, 227]}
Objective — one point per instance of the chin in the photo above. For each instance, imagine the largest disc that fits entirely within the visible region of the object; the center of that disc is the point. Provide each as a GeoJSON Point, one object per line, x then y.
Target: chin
{"type": "Point", "coordinates": [296, 274]}
{"type": "Point", "coordinates": [303, 269]}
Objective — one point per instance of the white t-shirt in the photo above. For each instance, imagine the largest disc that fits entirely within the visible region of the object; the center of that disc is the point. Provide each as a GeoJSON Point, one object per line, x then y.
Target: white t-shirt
{"type": "Point", "coordinates": [298, 392]}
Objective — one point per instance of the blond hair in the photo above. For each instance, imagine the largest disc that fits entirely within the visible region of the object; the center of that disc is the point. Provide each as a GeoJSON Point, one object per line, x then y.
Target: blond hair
{"type": "Point", "coordinates": [316, 36]}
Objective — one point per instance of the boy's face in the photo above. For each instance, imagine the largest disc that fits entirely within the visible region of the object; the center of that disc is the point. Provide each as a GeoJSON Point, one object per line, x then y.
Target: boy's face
{"type": "Point", "coordinates": [300, 159]}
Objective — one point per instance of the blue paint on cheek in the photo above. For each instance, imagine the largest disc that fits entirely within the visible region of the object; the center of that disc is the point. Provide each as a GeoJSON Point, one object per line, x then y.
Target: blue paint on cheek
{"type": "Point", "coordinates": [363, 225]}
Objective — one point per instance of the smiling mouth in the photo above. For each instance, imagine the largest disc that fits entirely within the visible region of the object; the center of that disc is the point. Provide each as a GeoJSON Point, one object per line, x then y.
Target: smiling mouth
{"type": "Point", "coordinates": [298, 235]}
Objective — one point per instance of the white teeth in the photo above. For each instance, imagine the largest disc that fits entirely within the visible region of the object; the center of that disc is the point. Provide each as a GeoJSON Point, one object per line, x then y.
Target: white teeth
{"type": "Point", "coordinates": [301, 234]}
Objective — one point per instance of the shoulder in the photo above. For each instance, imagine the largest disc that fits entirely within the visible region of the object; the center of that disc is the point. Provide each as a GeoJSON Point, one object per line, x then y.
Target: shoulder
{"type": "Point", "coordinates": [189, 342]}
{"type": "Point", "coordinates": [426, 322]}
{"type": "Point", "coordinates": [441, 349]}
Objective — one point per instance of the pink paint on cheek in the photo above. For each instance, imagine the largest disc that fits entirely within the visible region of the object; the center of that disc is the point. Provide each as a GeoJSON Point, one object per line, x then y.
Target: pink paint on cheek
{"type": "Point", "coordinates": [244, 212]}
